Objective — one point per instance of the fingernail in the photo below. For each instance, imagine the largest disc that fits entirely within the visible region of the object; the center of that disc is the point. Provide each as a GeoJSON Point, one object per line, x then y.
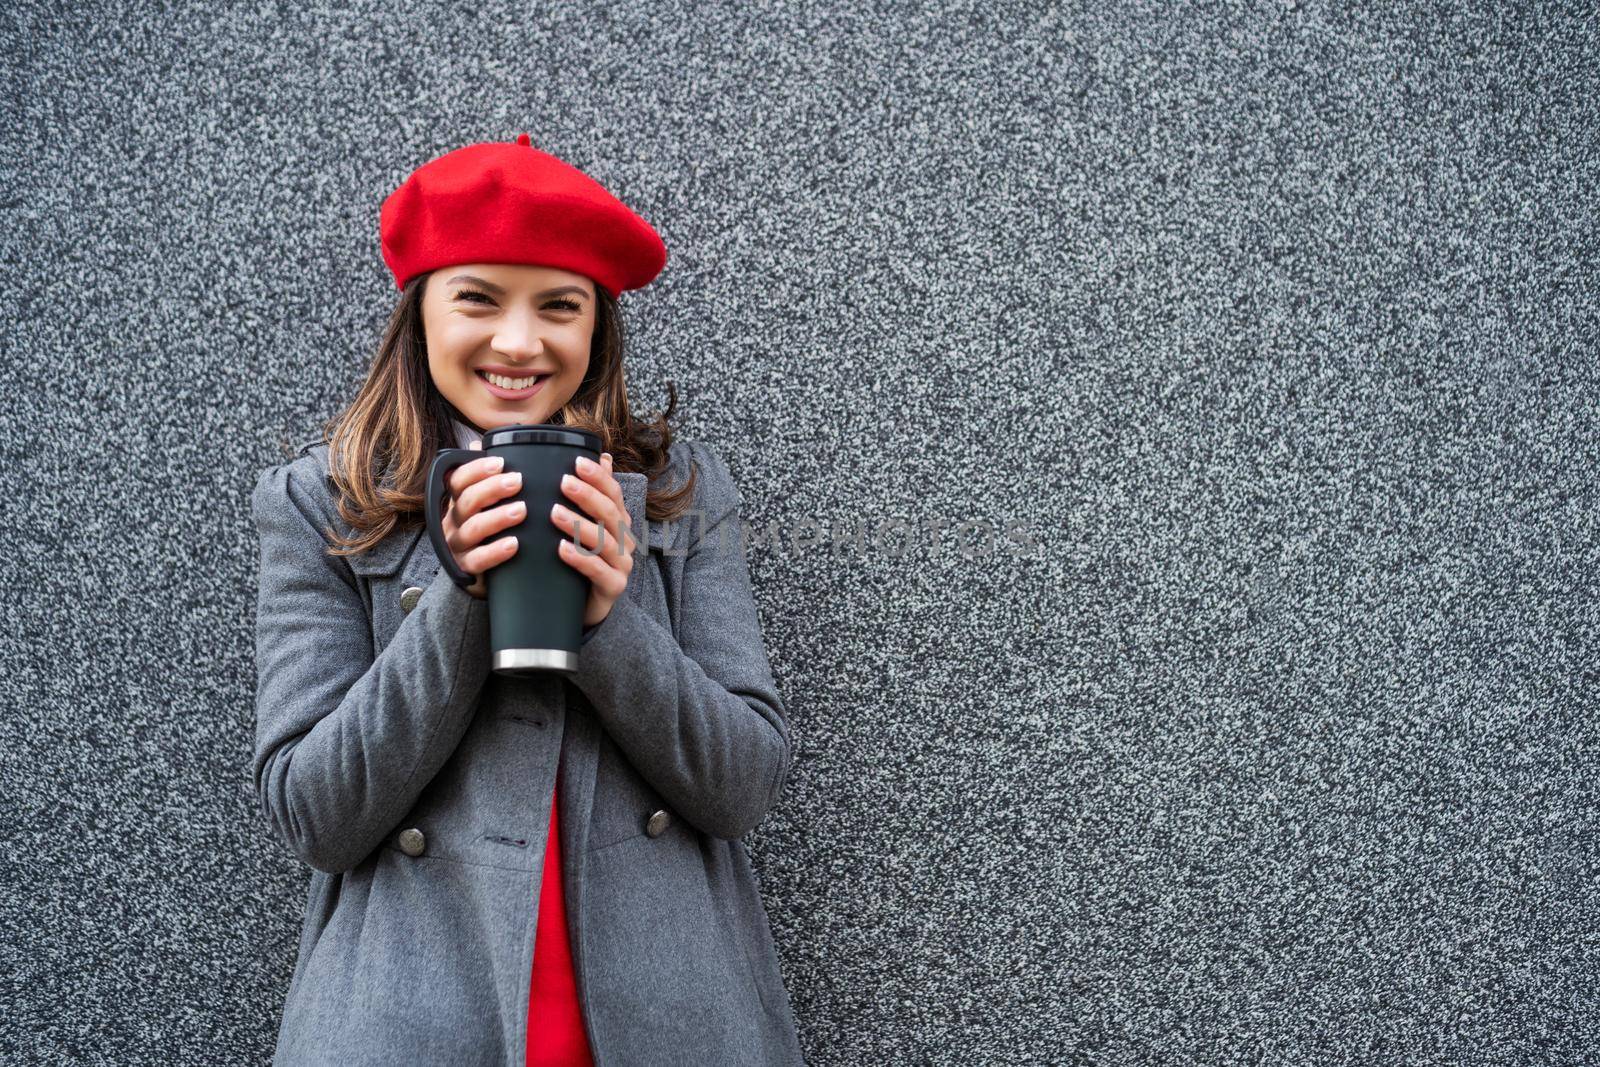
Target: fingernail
{"type": "Point", "coordinates": [568, 481]}
{"type": "Point", "coordinates": [512, 480]}
{"type": "Point", "coordinates": [496, 462]}
{"type": "Point", "coordinates": [586, 464]}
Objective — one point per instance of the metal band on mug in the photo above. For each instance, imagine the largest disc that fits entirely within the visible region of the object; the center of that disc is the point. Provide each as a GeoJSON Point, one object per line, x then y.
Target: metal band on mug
{"type": "Point", "coordinates": [534, 659]}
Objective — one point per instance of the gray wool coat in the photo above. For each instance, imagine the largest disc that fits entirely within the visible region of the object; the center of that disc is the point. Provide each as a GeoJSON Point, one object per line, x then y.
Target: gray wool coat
{"type": "Point", "coordinates": [416, 783]}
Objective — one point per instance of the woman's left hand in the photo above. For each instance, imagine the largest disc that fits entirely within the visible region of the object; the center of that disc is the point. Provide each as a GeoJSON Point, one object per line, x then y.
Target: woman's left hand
{"type": "Point", "coordinates": [598, 496]}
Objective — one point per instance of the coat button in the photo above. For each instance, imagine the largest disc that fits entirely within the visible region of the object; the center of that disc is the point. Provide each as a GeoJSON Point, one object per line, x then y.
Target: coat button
{"type": "Point", "coordinates": [409, 598]}
{"type": "Point", "coordinates": [658, 822]}
{"type": "Point", "coordinates": [412, 842]}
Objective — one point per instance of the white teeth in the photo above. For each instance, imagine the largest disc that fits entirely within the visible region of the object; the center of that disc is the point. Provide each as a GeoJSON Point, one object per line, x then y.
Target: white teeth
{"type": "Point", "coordinates": [512, 383]}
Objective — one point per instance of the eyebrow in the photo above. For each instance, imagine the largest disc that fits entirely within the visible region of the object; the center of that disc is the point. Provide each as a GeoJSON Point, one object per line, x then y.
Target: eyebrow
{"type": "Point", "coordinates": [499, 290]}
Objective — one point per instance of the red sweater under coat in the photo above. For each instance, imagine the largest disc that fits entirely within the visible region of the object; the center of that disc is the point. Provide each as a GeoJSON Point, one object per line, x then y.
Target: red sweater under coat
{"type": "Point", "coordinates": [556, 1037]}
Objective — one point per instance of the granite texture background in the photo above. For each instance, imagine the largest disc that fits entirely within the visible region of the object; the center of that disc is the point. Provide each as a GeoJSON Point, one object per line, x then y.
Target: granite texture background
{"type": "Point", "coordinates": [1274, 325]}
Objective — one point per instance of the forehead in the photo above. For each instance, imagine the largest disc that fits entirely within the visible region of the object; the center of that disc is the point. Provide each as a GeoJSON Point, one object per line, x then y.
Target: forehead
{"type": "Point", "coordinates": [519, 277]}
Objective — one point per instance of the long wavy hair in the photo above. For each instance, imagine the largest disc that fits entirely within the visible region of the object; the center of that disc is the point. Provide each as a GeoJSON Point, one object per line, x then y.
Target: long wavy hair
{"type": "Point", "coordinates": [381, 446]}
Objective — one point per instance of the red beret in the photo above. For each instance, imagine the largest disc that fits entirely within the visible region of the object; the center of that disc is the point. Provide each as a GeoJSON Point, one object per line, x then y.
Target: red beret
{"type": "Point", "coordinates": [511, 203]}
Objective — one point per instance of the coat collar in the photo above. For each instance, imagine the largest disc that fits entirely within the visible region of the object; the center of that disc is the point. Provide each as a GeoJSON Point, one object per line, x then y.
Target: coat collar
{"type": "Point", "coordinates": [386, 557]}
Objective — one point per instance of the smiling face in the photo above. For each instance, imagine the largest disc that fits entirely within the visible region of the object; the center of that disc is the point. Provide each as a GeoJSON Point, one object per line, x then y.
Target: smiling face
{"type": "Point", "coordinates": [490, 327]}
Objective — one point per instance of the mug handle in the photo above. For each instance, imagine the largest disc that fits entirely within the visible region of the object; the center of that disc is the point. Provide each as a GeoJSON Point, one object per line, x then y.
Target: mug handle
{"type": "Point", "coordinates": [446, 461]}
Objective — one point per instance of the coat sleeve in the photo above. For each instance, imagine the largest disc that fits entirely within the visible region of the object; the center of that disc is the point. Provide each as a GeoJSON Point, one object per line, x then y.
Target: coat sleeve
{"type": "Point", "coordinates": [345, 741]}
{"type": "Point", "coordinates": [703, 721]}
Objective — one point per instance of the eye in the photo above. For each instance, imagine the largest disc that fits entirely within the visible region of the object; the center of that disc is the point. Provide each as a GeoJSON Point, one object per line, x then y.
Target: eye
{"type": "Point", "coordinates": [465, 293]}
{"type": "Point", "coordinates": [565, 304]}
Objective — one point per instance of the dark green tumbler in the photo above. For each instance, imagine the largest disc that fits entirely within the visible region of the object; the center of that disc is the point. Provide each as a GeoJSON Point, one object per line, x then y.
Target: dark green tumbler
{"type": "Point", "coordinates": [536, 599]}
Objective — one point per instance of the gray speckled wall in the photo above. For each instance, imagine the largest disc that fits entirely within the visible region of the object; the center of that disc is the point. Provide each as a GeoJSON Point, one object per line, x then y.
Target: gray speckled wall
{"type": "Point", "coordinates": [1277, 329]}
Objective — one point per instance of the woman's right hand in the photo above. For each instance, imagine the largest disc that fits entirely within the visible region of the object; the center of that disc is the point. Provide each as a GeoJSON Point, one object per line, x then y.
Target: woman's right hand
{"type": "Point", "coordinates": [474, 514]}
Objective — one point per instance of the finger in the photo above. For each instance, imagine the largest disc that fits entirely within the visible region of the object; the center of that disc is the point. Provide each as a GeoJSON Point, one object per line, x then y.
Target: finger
{"type": "Point", "coordinates": [607, 579]}
{"type": "Point", "coordinates": [598, 506]}
{"type": "Point", "coordinates": [483, 557]}
{"type": "Point", "coordinates": [468, 473]}
{"type": "Point", "coordinates": [601, 477]}
{"type": "Point", "coordinates": [489, 521]}
{"type": "Point", "coordinates": [482, 499]}
{"type": "Point", "coordinates": [618, 541]}
{"type": "Point", "coordinates": [486, 492]}
{"type": "Point", "coordinates": [622, 506]}
{"type": "Point", "coordinates": [594, 539]}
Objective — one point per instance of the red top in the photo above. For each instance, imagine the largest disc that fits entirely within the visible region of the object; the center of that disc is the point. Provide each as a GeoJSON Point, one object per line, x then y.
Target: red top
{"type": "Point", "coordinates": [555, 1022]}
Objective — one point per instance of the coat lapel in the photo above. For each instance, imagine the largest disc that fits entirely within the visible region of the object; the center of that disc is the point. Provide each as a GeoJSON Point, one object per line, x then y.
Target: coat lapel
{"type": "Point", "coordinates": [580, 739]}
{"type": "Point", "coordinates": [580, 753]}
{"type": "Point", "coordinates": [385, 557]}
{"type": "Point", "coordinates": [652, 535]}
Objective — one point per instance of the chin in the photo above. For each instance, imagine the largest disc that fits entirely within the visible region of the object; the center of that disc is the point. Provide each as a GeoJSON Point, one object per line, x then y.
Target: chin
{"type": "Point", "coordinates": [509, 418]}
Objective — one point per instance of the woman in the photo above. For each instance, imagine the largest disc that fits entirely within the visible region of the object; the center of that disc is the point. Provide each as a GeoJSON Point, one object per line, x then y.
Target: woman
{"type": "Point", "coordinates": [515, 869]}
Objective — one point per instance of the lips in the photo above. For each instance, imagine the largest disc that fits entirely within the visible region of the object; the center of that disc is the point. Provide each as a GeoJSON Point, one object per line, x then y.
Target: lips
{"type": "Point", "coordinates": [512, 394]}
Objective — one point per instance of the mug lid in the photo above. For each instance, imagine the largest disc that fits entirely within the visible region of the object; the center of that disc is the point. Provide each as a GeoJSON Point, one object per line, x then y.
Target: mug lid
{"type": "Point", "coordinates": [542, 434]}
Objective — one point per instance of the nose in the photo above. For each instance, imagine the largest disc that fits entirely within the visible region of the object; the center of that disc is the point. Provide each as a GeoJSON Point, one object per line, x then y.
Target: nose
{"type": "Point", "coordinates": [518, 338]}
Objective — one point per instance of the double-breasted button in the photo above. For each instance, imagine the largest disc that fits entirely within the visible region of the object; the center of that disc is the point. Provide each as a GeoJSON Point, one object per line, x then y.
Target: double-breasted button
{"type": "Point", "coordinates": [409, 598]}
{"type": "Point", "coordinates": [658, 822]}
{"type": "Point", "coordinates": [412, 842]}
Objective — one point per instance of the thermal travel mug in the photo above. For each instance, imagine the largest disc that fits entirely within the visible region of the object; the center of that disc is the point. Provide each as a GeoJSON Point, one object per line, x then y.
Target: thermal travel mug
{"type": "Point", "coordinates": [536, 599]}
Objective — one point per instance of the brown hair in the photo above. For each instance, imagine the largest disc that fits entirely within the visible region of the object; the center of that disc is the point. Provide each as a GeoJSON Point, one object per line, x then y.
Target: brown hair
{"type": "Point", "coordinates": [381, 447]}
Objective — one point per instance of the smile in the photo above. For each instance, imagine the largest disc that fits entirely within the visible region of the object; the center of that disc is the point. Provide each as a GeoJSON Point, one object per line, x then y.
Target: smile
{"type": "Point", "coordinates": [512, 388]}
